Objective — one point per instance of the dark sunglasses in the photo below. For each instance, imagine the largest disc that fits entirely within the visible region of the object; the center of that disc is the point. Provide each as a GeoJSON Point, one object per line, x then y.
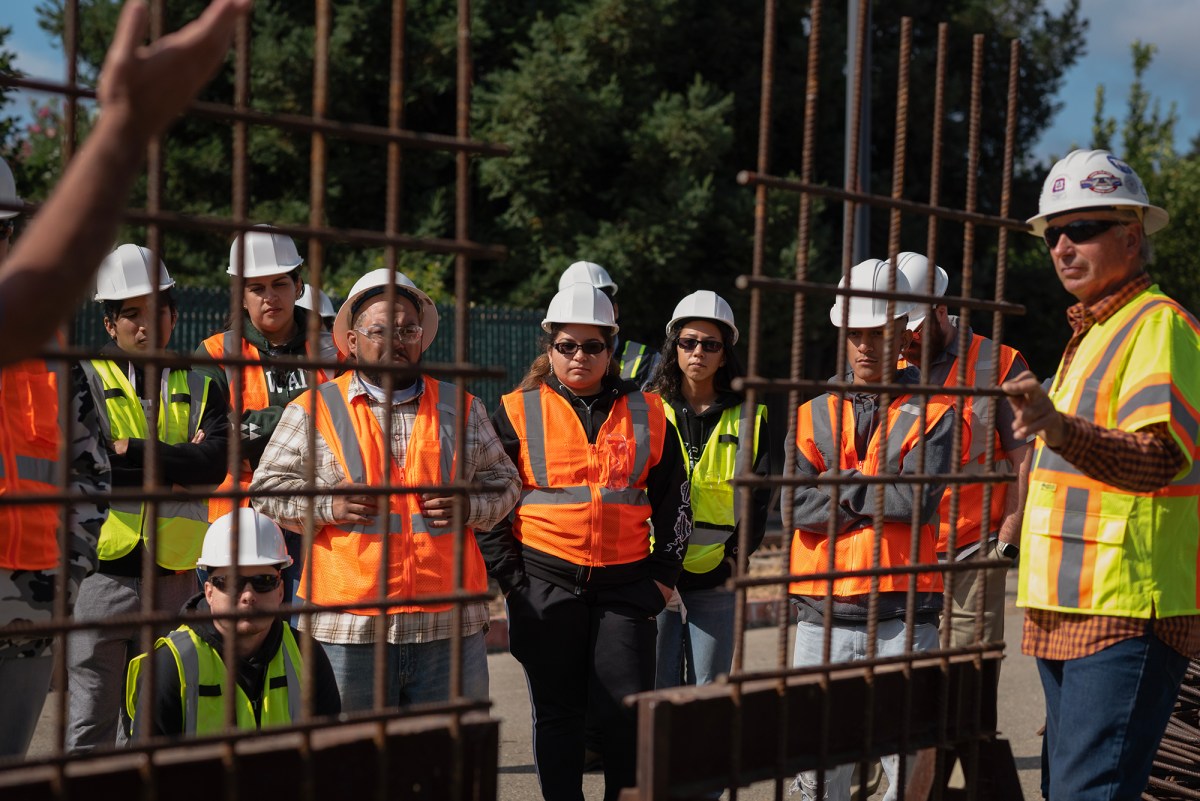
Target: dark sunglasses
{"type": "Point", "coordinates": [707, 345]}
{"type": "Point", "coordinates": [1078, 231]}
{"type": "Point", "coordinates": [7, 227]}
{"type": "Point", "coordinates": [263, 582]}
{"type": "Point", "coordinates": [591, 347]}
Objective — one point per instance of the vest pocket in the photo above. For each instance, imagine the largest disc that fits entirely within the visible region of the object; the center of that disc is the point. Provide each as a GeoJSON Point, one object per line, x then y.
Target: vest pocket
{"type": "Point", "coordinates": [1077, 513]}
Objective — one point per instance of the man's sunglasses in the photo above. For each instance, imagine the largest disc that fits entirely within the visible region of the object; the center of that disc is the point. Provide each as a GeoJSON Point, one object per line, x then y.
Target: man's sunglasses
{"type": "Point", "coordinates": [263, 582]}
{"type": "Point", "coordinates": [591, 347]}
{"type": "Point", "coordinates": [707, 345]}
{"type": "Point", "coordinates": [1078, 231]}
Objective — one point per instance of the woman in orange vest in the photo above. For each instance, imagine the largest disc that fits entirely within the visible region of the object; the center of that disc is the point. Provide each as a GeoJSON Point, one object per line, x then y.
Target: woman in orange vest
{"type": "Point", "coordinates": [273, 325]}
{"type": "Point", "coordinates": [584, 580]}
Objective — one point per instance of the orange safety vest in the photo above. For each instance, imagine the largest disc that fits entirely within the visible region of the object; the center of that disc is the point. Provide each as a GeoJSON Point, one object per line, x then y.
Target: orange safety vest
{"type": "Point", "coordinates": [29, 440]}
{"type": "Point", "coordinates": [585, 502]}
{"type": "Point", "coordinates": [255, 396]}
{"type": "Point", "coordinates": [974, 446]}
{"type": "Point", "coordinates": [854, 549]}
{"type": "Point", "coordinates": [345, 560]}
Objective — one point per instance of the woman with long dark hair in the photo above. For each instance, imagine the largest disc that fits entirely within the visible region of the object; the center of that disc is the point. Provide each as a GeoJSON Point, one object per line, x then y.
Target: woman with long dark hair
{"type": "Point", "coordinates": [719, 437]}
{"type": "Point", "coordinates": [581, 574]}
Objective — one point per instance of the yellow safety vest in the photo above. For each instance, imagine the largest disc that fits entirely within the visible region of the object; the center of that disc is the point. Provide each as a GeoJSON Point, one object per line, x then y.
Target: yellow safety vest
{"type": "Point", "coordinates": [202, 682]}
{"type": "Point", "coordinates": [181, 524]}
{"type": "Point", "coordinates": [1087, 546]}
{"type": "Point", "coordinates": [715, 509]}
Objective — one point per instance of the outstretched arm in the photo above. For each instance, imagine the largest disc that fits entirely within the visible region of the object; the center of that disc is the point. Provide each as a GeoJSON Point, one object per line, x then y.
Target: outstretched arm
{"type": "Point", "coordinates": [142, 89]}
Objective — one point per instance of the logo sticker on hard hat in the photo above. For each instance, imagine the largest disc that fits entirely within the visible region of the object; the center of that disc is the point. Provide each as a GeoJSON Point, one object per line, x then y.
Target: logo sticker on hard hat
{"type": "Point", "coordinates": [1101, 182]}
{"type": "Point", "coordinates": [1120, 165]}
{"type": "Point", "coordinates": [1059, 185]}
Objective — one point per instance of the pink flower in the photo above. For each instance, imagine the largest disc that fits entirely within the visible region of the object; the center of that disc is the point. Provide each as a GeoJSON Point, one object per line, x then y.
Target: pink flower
{"type": "Point", "coordinates": [51, 133]}
{"type": "Point", "coordinates": [35, 129]}
{"type": "Point", "coordinates": [44, 112]}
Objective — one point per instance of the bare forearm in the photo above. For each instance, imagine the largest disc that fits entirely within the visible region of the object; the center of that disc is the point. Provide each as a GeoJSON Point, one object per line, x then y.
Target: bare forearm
{"type": "Point", "coordinates": [54, 260]}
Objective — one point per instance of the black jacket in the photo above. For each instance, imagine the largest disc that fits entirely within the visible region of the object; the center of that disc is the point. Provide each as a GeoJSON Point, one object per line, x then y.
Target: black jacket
{"type": "Point", "coordinates": [251, 673]}
{"type": "Point", "coordinates": [666, 487]}
{"type": "Point", "coordinates": [696, 430]}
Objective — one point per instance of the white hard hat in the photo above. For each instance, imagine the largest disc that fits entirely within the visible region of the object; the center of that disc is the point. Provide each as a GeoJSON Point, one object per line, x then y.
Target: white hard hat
{"type": "Point", "coordinates": [372, 284]}
{"type": "Point", "coordinates": [125, 273]}
{"type": "Point", "coordinates": [260, 541]}
{"type": "Point", "coordinates": [586, 272]}
{"type": "Point", "coordinates": [915, 268]}
{"type": "Point", "coordinates": [873, 275]}
{"type": "Point", "coordinates": [704, 304]}
{"type": "Point", "coordinates": [580, 303]}
{"type": "Point", "coordinates": [8, 190]}
{"type": "Point", "coordinates": [306, 301]}
{"type": "Point", "coordinates": [1088, 179]}
{"type": "Point", "coordinates": [267, 252]}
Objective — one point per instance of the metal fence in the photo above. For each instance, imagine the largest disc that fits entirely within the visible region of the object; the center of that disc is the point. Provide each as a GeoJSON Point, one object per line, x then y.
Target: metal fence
{"type": "Point", "coordinates": [763, 725]}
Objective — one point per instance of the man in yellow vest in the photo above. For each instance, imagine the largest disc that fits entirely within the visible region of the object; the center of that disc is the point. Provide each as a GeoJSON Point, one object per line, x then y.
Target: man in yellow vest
{"type": "Point", "coordinates": [192, 429]}
{"type": "Point", "coordinates": [189, 664]}
{"type": "Point", "coordinates": [1110, 538]}
{"type": "Point", "coordinates": [30, 434]}
{"type": "Point", "coordinates": [872, 441]}
{"type": "Point", "coordinates": [353, 456]}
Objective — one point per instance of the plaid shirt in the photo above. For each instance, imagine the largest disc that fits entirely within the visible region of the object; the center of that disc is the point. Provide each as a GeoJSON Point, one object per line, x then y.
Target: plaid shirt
{"type": "Point", "coordinates": [283, 466]}
{"type": "Point", "coordinates": [1137, 461]}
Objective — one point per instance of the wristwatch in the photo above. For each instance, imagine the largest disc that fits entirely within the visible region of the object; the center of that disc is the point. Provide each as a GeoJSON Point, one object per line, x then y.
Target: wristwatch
{"type": "Point", "coordinates": [1008, 550]}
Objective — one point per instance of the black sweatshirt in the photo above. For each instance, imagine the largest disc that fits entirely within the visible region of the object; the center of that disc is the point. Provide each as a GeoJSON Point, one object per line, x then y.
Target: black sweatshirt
{"type": "Point", "coordinates": [251, 673]}
{"type": "Point", "coordinates": [666, 487]}
{"type": "Point", "coordinates": [696, 430]}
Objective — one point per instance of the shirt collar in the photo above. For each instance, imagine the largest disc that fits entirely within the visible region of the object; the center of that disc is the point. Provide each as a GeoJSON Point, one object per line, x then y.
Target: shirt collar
{"type": "Point", "coordinates": [1082, 316]}
{"type": "Point", "coordinates": [359, 386]}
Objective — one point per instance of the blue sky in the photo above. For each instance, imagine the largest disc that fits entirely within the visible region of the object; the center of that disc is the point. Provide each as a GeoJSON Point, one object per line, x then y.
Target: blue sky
{"type": "Point", "coordinates": [1172, 25]}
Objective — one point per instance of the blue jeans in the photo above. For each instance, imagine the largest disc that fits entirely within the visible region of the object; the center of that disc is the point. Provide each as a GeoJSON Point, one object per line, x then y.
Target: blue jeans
{"type": "Point", "coordinates": [417, 673]}
{"type": "Point", "coordinates": [1105, 715]}
{"type": "Point", "coordinates": [848, 644]}
{"type": "Point", "coordinates": [698, 651]}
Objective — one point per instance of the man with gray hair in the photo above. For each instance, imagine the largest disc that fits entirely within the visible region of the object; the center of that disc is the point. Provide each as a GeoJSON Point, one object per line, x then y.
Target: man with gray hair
{"type": "Point", "coordinates": [1110, 536]}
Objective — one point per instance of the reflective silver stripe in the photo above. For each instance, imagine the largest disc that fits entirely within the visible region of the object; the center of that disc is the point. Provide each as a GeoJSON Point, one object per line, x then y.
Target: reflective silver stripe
{"type": "Point", "coordinates": [906, 420]}
{"type": "Point", "coordinates": [32, 468]}
{"type": "Point", "coordinates": [1070, 567]}
{"type": "Point", "coordinates": [639, 414]}
{"type": "Point", "coordinates": [556, 495]}
{"type": "Point", "coordinates": [198, 387]}
{"type": "Point", "coordinates": [189, 660]}
{"type": "Point", "coordinates": [189, 510]}
{"type": "Point", "coordinates": [702, 535]}
{"type": "Point", "coordinates": [232, 345]}
{"type": "Point", "coordinates": [392, 523]}
{"type": "Point", "coordinates": [343, 427]}
{"type": "Point", "coordinates": [293, 682]}
{"type": "Point", "coordinates": [743, 458]}
{"type": "Point", "coordinates": [629, 367]}
{"type": "Point", "coordinates": [632, 496]}
{"type": "Point", "coordinates": [822, 427]}
{"type": "Point", "coordinates": [981, 370]}
{"type": "Point", "coordinates": [96, 384]}
{"type": "Point", "coordinates": [535, 435]}
{"type": "Point", "coordinates": [447, 415]}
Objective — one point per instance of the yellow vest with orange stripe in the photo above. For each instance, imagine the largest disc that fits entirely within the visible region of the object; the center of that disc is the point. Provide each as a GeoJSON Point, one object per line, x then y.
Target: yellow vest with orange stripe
{"type": "Point", "coordinates": [255, 396]}
{"type": "Point", "coordinates": [980, 354]}
{"type": "Point", "coordinates": [29, 440]}
{"type": "Point", "coordinates": [1090, 547]}
{"type": "Point", "coordinates": [854, 550]}
{"type": "Point", "coordinates": [585, 502]}
{"type": "Point", "coordinates": [345, 560]}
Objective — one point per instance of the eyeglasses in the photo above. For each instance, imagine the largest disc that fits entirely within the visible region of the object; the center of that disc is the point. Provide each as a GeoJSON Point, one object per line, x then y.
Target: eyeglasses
{"type": "Point", "coordinates": [263, 582]}
{"type": "Point", "coordinates": [408, 335]}
{"type": "Point", "coordinates": [707, 345]}
{"type": "Point", "coordinates": [1079, 231]}
{"type": "Point", "coordinates": [591, 347]}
